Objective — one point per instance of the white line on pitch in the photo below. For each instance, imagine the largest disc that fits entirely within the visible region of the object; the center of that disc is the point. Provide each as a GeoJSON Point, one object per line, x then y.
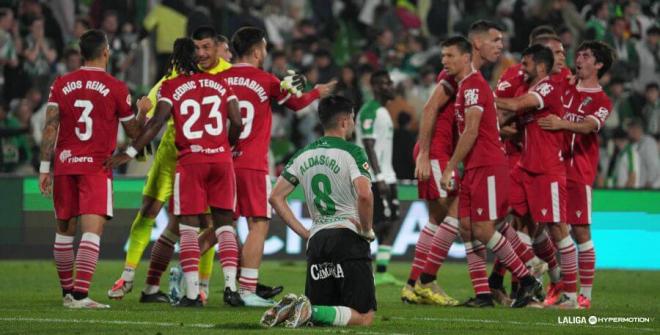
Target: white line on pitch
{"type": "Point", "coordinates": [524, 323]}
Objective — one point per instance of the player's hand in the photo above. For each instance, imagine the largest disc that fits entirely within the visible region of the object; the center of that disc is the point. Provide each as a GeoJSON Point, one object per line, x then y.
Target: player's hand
{"type": "Point", "coordinates": [572, 79]}
{"type": "Point", "coordinates": [447, 182]}
{"type": "Point", "coordinates": [46, 184]}
{"type": "Point", "coordinates": [326, 89]}
{"type": "Point", "coordinates": [509, 130]}
{"type": "Point", "coordinates": [550, 122]}
{"type": "Point", "coordinates": [422, 167]}
{"type": "Point", "coordinates": [144, 104]}
{"type": "Point", "coordinates": [294, 83]}
{"type": "Point", "coordinates": [370, 235]}
{"type": "Point", "coordinates": [117, 160]}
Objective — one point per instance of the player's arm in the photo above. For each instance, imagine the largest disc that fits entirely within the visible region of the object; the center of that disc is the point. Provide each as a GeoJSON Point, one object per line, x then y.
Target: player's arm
{"type": "Point", "coordinates": [365, 206]}
{"type": "Point", "coordinates": [150, 131]}
{"type": "Point", "coordinates": [277, 199]}
{"type": "Point", "coordinates": [553, 122]}
{"type": "Point", "coordinates": [527, 101]}
{"type": "Point", "coordinates": [133, 127]}
{"type": "Point", "coordinates": [464, 145]}
{"type": "Point", "coordinates": [235, 121]}
{"type": "Point", "coordinates": [437, 100]}
{"type": "Point", "coordinates": [47, 146]}
{"type": "Point", "coordinates": [369, 145]}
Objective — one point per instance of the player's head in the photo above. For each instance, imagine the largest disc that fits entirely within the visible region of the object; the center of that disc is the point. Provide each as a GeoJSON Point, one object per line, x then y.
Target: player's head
{"type": "Point", "coordinates": [183, 58]}
{"type": "Point", "coordinates": [381, 85]}
{"type": "Point", "coordinates": [223, 48]}
{"type": "Point", "coordinates": [337, 115]}
{"type": "Point", "coordinates": [249, 43]}
{"type": "Point", "coordinates": [487, 39]}
{"type": "Point", "coordinates": [593, 59]}
{"type": "Point", "coordinates": [553, 42]}
{"type": "Point", "coordinates": [456, 54]}
{"type": "Point", "coordinates": [540, 30]}
{"type": "Point", "coordinates": [94, 46]}
{"type": "Point", "coordinates": [206, 46]}
{"type": "Point", "coordinates": [537, 61]}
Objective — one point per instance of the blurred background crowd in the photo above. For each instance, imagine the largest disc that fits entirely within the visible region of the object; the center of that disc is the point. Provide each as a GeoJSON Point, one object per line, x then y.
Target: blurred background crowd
{"type": "Point", "coordinates": [333, 40]}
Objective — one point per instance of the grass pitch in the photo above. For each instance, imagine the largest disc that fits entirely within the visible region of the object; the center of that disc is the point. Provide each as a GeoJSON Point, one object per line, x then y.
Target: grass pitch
{"type": "Point", "coordinates": [31, 304]}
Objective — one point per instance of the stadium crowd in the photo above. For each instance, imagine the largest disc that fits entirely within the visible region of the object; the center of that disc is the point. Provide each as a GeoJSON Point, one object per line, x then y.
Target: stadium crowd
{"type": "Point", "coordinates": [341, 40]}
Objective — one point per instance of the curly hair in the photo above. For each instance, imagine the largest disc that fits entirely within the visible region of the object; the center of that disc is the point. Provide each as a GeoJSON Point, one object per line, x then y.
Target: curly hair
{"type": "Point", "coordinates": [183, 58]}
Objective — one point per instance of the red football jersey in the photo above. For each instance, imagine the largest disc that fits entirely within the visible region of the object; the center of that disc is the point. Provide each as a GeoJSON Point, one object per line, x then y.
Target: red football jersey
{"type": "Point", "coordinates": [255, 88]}
{"type": "Point", "coordinates": [473, 91]}
{"type": "Point", "coordinates": [199, 108]}
{"type": "Point", "coordinates": [443, 137]}
{"type": "Point", "coordinates": [91, 104]}
{"type": "Point", "coordinates": [509, 84]}
{"type": "Point", "coordinates": [582, 158]}
{"type": "Point", "coordinates": [542, 149]}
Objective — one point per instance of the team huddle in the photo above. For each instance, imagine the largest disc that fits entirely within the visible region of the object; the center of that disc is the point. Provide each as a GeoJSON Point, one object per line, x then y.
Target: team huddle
{"type": "Point", "coordinates": [509, 170]}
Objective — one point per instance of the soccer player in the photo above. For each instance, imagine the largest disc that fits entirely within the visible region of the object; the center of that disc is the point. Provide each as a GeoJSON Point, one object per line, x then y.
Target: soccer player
{"type": "Point", "coordinates": [539, 179]}
{"type": "Point", "coordinates": [484, 184]}
{"type": "Point", "coordinates": [374, 134]}
{"type": "Point", "coordinates": [200, 104]}
{"type": "Point", "coordinates": [587, 107]}
{"type": "Point", "coordinates": [334, 175]}
{"type": "Point", "coordinates": [255, 88]}
{"type": "Point", "coordinates": [158, 187]}
{"type": "Point", "coordinates": [84, 108]}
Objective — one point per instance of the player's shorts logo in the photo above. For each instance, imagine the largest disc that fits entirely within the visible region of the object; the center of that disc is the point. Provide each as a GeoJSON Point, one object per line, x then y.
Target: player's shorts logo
{"type": "Point", "coordinates": [325, 270]}
{"type": "Point", "coordinates": [64, 155]}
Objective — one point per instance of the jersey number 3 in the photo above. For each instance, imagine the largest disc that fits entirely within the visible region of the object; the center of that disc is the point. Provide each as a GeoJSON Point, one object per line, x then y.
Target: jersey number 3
{"type": "Point", "coordinates": [84, 118]}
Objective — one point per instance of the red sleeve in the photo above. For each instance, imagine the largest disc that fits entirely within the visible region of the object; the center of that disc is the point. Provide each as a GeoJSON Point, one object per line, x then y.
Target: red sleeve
{"type": "Point", "coordinates": [230, 95]}
{"type": "Point", "coordinates": [505, 89]}
{"type": "Point", "coordinates": [123, 98]}
{"type": "Point", "coordinates": [601, 111]}
{"type": "Point", "coordinates": [474, 95]}
{"type": "Point", "coordinates": [54, 97]}
{"type": "Point", "coordinates": [283, 97]}
{"type": "Point", "coordinates": [448, 81]}
{"type": "Point", "coordinates": [546, 92]}
{"type": "Point", "coordinates": [165, 93]}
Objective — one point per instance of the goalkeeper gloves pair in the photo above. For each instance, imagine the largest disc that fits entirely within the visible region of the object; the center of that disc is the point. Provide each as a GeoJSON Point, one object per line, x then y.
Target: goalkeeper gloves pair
{"type": "Point", "coordinates": [294, 83]}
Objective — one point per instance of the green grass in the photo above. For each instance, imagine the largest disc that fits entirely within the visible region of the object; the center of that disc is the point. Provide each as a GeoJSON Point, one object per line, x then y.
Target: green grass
{"type": "Point", "coordinates": [31, 304]}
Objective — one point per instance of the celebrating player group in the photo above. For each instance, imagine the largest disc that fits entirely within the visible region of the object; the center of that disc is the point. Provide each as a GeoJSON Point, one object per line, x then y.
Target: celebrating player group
{"type": "Point", "coordinates": [509, 170]}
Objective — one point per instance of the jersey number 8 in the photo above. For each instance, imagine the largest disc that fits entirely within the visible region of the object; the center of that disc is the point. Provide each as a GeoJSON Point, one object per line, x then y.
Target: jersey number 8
{"type": "Point", "coordinates": [322, 189]}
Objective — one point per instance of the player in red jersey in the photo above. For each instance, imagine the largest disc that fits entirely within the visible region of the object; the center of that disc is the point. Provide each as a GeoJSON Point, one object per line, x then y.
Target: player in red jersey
{"type": "Point", "coordinates": [200, 104]}
{"type": "Point", "coordinates": [84, 109]}
{"type": "Point", "coordinates": [255, 88]}
{"type": "Point", "coordinates": [511, 84]}
{"type": "Point", "coordinates": [587, 107]}
{"type": "Point", "coordinates": [539, 179]}
{"type": "Point", "coordinates": [483, 190]}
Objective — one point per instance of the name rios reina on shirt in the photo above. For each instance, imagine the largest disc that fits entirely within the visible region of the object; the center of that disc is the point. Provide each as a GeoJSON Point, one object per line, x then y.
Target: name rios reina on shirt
{"type": "Point", "coordinates": [331, 163]}
{"type": "Point", "coordinates": [94, 85]}
{"type": "Point", "coordinates": [192, 85]}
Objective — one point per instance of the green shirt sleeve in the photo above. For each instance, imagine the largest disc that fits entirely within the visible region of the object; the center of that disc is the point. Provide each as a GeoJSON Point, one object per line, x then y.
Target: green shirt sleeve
{"type": "Point", "coordinates": [367, 119]}
{"type": "Point", "coordinates": [361, 167]}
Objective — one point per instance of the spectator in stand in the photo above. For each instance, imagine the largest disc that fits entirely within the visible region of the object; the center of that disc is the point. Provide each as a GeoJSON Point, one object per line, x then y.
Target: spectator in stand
{"type": "Point", "coordinates": [596, 27]}
{"type": "Point", "coordinates": [620, 170]}
{"type": "Point", "coordinates": [403, 145]}
{"type": "Point", "coordinates": [279, 64]}
{"type": "Point", "coordinates": [627, 62]}
{"type": "Point", "coordinates": [648, 52]}
{"type": "Point", "coordinates": [651, 110]}
{"type": "Point", "coordinates": [80, 26]}
{"type": "Point", "coordinates": [622, 110]}
{"type": "Point", "coordinates": [118, 51]}
{"type": "Point", "coordinates": [326, 66]}
{"type": "Point", "coordinates": [8, 54]}
{"type": "Point", "coordinates": [169, 23]}
{"type": "Point", "coordinates": [647, 150]}
{"type": "Point", "coordinates": [348, 85]}
{"type": "Point", "coordinates": [15, 150]}
{"type": "Point", "coordinates": [40, 56]}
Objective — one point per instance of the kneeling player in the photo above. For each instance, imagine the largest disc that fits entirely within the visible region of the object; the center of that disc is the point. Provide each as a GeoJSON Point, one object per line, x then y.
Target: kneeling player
{"type": "Point", "coordinates": [200, 104]}
{"type": "Point", "coordinates": [335, 178]}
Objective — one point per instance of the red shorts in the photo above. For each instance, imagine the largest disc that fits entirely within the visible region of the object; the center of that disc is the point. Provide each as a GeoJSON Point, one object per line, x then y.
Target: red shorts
{"type": "Point", "coordinates": [541, 195]}
{"type": "Point", "coordinates": [430, 189]}
{"type": "Point", "coordinates": [252, 191]}
{"type": "Point", "coordinates": [200, 186]}
{"type": "Point", "coordinates": [578, 204]}
{"type": "Point", "coordinates": [483, 195]}
{"type": "Point", "coordinates": [75, 195]}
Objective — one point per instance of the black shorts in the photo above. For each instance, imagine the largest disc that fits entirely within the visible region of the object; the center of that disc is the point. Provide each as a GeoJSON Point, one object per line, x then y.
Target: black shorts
{"type": "Point", "coordinates": [385, 210]}
{"type": "Point", "coordinates": [339, 270]}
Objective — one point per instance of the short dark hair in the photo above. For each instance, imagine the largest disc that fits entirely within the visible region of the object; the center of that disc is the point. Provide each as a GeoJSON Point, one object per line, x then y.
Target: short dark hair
{"type": "Point", "coordinates": [378, 74]}
{"type": "Point", "coordinates": [68, 52]}
{"type": "Point", "coordinates": [92, 43]}
{"type": "Point", "coordinates": [5, 11]}
{"type": "Point", "coordinates": [652, 85]}
{"type": "Point", "coordinates": [541, 30]}
{"type": "Point", "coordinates": [245, 39]}
{"type": "Point", "coordinates": [84, 22]}
{"type": "Point", "coordinates": [653, 30]}
{"type": "Point", "coordinates": [541, 55]}
{"type": "Point", "coordinates": [204, 32]}
{"type": "Point", "coordinates": [463, 45]}
{"type": "Point", "coordinates": [545, 38]}
{"type": "Point", "coordinates": [602, 52]}
{"type": "Point", "coordinates": [332, 106]}
{"type": "Point", "coordinates": [483, 26]}
{"type": "Point", "coordinates": [222, 39]}
{"type": "Point", "coordinates": [615, 19]}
